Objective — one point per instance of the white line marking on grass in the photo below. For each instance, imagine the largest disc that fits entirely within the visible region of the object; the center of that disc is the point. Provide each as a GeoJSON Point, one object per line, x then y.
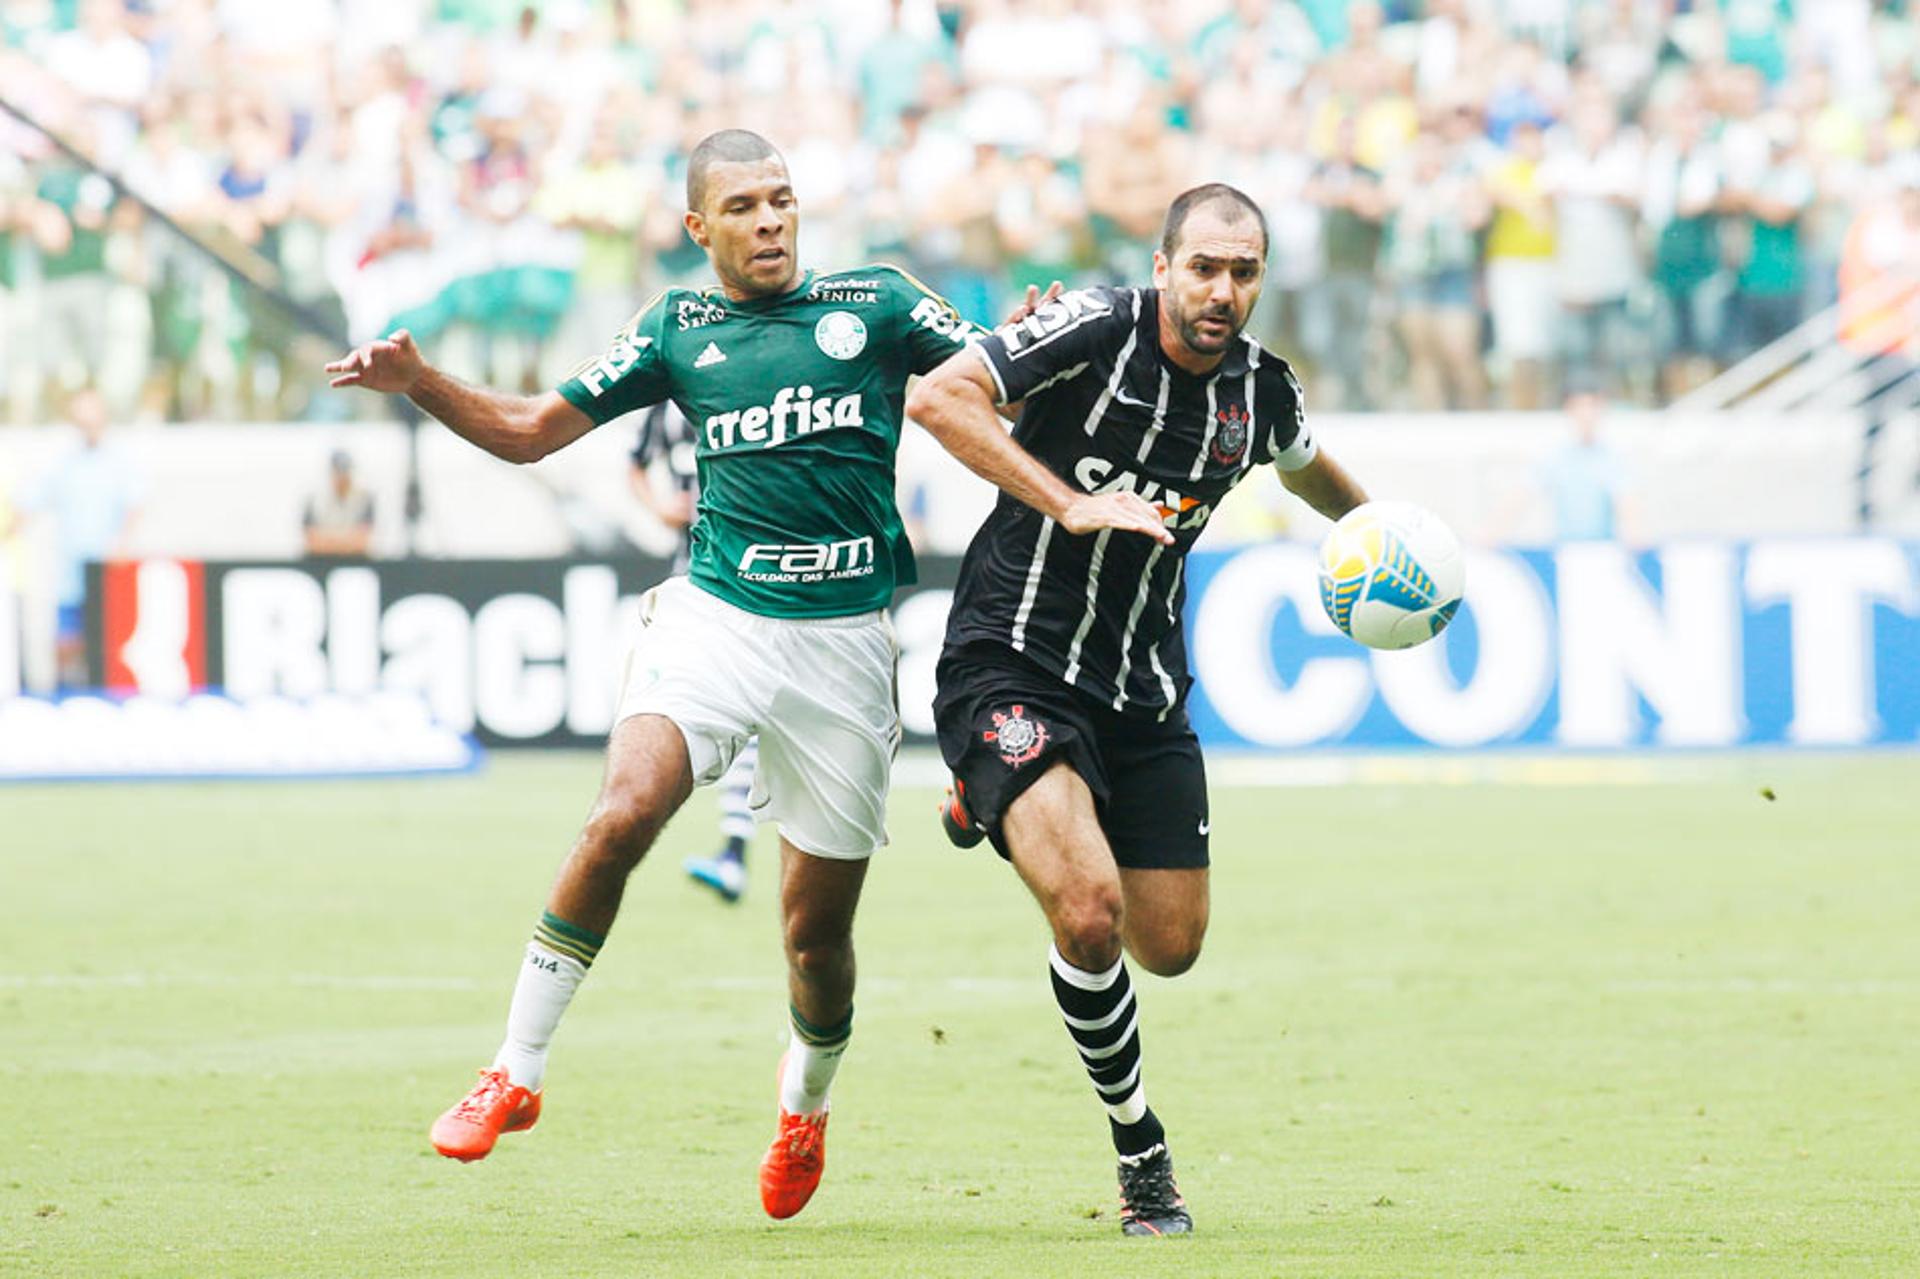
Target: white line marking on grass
{"type": "Point", "coordinates": [1764, 986]}
{"type": "Point", "coordinates": [217, 981]}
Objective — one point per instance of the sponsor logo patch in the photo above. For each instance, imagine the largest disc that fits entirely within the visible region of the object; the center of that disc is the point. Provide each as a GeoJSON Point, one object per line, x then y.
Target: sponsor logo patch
{"type": "Point", "coordinates": [858, 292]}
{"type": "Point", "coordinates": [944, 320]}
{"type": "Point", "coordinates": [712, 355]}
{"type": "Point", "coordinates": [603, 371]}
{"type": "Point", "coordinates": [795, 411]}
{"type": "Point", "coordinates": [1180, 510]}
{"type": "Point", "coordinates": [1067, 309]}
{"type": "Point", "coordinates": [807, 561]}
{"type": "Point", "coordinates": [694, 313]}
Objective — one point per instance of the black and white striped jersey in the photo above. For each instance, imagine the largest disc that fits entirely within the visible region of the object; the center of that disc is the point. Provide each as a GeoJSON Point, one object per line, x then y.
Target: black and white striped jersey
{"type": "Point", "coordinates": [1105, 409]}
{"type": "Point", "coordinates": [666, 435]}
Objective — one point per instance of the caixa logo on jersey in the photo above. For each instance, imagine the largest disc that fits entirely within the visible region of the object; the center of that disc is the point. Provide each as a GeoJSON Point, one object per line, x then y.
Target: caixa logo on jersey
{"type": "Point", "coordinates": [1180, 510]}
{"type": "Point", "coordinates": [516, 652]}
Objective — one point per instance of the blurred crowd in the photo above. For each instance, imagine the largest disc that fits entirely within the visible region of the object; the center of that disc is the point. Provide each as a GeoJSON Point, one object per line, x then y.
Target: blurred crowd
{"type": "Point", "coordinates": [1474, 203]}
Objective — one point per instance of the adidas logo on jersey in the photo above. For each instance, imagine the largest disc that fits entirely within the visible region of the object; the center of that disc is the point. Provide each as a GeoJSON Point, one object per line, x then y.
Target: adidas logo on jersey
{"type": "Point", "coordinates": [712, 355]}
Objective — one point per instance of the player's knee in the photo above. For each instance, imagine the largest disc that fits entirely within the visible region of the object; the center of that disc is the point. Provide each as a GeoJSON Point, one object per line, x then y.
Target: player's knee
{"type": "Point", "coordinates": [1087, 926]}
{"type": "Point", "coordinates": [1169, 959]}
{"type": "Point", "coordinates": [1170, 948]}
{"type": "Point", "coordinates": [620, 833]}
{"type": "Point", "coordinates": [816, 950]}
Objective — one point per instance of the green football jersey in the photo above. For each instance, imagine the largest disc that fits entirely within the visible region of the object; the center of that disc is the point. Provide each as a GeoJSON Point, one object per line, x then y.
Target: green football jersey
{"type": "Point", "coordinates": [796, 403]}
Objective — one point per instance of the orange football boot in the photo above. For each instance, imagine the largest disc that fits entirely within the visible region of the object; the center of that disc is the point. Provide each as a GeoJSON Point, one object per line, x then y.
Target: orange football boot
{"type": "Point", "coordinates": [958, 823]}
{"type": "Point", "coordinates": [496, 1105]}
{"type": "Point", "coordinates": [790, 1170]}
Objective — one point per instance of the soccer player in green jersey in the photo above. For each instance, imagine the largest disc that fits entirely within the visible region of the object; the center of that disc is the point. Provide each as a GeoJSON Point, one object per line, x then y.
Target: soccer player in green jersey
{"type": "Point", "coordinates": [795, 382]}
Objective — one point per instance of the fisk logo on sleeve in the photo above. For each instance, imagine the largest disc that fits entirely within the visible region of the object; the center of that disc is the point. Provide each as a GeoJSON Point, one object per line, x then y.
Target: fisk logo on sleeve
{"type": "Point", "coordinates": [1056, 316]}
{"type": "Point", "coordinates": [598, 375]}
{"type": "Point", "coordinates": [944, 320]}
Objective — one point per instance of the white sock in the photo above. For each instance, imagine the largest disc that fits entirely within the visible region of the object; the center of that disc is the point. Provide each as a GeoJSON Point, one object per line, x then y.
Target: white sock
{"type": "Point", "coordinates": [810, 1071]}
{"type": "Point", "coordinates": [540, 997]}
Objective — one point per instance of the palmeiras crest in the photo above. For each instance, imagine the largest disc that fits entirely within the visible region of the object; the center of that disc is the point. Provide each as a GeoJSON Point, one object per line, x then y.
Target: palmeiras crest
{"type": "Point", "coordinates": [1230, 434]}
{"type": "Point", "coordinates": [1020, 739]}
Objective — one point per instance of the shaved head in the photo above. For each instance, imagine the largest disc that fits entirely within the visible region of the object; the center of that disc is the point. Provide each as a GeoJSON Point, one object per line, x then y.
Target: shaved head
{"type": "Point", "coordinates": [1230, 204]}
{"type": "Point", "coordinates": [728, 146]}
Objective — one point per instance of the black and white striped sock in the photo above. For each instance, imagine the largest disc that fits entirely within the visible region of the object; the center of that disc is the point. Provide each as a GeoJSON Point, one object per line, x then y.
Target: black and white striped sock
{"type": "Point", "coordinates": [1104, 1020]}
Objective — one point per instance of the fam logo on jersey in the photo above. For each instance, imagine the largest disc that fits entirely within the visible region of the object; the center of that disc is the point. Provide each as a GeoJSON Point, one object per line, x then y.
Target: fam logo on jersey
{"type": "Point", "coordinates": [841, 334]}
{"type": "Point", "coordinates": [807, 561]}
{"type": "Point", "coordinates": [1020, 739]}
{"type": "Point", "coordinates": [1230, 434]}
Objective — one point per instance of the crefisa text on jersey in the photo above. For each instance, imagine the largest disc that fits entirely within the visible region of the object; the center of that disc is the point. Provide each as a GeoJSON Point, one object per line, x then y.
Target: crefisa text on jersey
{"type": "Point", "coordinates": [794, 412]}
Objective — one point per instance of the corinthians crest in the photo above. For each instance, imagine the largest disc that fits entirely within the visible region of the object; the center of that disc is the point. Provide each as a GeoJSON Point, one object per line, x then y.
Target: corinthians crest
{"type": "Point", "coordinates": [1230, 434]}
{"type": "Point", "coordinates": [1020, 739]}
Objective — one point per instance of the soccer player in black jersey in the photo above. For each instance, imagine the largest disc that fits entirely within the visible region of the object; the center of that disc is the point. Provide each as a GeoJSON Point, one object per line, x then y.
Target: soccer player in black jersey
{"type": "Point", "coordinates": [1061, 689]}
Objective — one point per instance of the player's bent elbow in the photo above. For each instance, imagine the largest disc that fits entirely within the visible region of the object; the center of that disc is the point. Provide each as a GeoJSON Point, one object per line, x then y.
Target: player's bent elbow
{"type": "Point", "coordinates": [923, 403]}
{"type": "Point", "coordinates": [525, 443]}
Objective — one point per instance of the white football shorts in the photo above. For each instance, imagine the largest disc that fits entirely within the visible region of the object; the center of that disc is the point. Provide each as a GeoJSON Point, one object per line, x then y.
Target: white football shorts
{"type": "Point", "coordinates": [820, 692]}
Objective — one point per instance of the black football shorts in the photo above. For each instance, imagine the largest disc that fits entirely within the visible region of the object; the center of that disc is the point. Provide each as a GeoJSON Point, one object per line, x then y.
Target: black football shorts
{"type": "Point", "coordinates": [1002, 719]}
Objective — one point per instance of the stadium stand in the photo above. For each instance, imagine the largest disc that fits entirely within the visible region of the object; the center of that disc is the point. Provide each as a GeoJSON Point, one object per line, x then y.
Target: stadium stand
{"type": "Point", "coordinates": [1502, 197]}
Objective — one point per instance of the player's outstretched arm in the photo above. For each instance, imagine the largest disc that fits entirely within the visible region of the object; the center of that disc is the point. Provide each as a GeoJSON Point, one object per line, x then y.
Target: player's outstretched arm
{"type": "Point", "coordinates": [956, 404]}
{"type": "Point", "coordinates": [517, 428]}
{"type": "Point", "coordinates": [1325, 485]}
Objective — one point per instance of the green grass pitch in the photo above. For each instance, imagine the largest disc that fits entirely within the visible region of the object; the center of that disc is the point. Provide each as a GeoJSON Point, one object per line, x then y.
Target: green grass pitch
{"type": "Point", "coordinates": [1439, 1030]}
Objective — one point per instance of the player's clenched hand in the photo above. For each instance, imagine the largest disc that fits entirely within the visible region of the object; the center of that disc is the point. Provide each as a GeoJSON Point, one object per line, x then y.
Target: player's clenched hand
{"type": "Point", "coordinates": [392, 364]}
{"type": "Point", "coordinates": [1034, 301]}
{"type": "Point", "coordinates": [1127, 512]}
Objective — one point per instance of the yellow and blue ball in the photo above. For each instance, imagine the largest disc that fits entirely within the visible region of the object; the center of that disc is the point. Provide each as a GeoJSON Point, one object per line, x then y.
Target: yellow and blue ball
{"type": "Point", "coordinates": [1391, 574]}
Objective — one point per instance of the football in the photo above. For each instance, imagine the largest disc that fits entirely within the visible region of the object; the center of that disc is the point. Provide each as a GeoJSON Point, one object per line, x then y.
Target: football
{"type": "Point", "coordinates": [1391, 574]}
